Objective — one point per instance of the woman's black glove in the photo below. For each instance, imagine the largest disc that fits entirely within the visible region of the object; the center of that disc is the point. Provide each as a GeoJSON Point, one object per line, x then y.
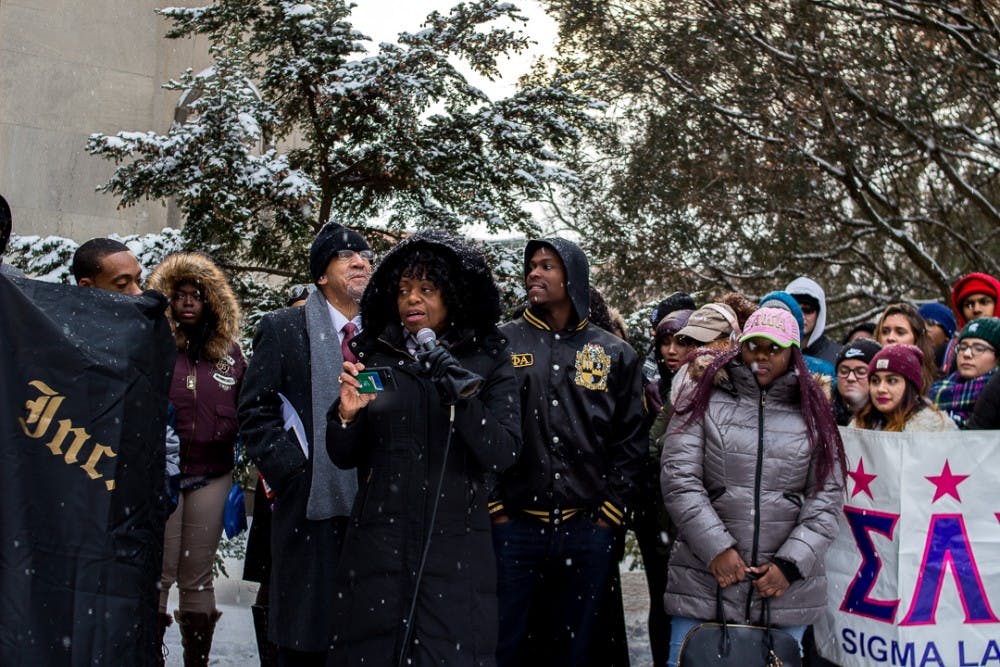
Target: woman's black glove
{"type": "Point", "coordinates": [453, 382]}
{"type": "Point", "coordinates": [435, 362]}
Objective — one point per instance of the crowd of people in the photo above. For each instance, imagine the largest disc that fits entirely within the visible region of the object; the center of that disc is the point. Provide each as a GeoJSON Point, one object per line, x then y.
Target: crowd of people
{"type": "Point", "coordinates": [438, 488]}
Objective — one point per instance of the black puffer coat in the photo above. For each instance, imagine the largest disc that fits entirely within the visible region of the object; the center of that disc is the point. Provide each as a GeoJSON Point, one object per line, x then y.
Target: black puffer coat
{"type": "Point", "coordinates": [398, 443]}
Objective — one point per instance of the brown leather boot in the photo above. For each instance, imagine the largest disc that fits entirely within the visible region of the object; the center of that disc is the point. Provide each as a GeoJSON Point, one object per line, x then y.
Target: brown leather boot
{"type": "Point", "coordinates": [196, 635]}
{"type": "Point", "coordinates": [163, 621]}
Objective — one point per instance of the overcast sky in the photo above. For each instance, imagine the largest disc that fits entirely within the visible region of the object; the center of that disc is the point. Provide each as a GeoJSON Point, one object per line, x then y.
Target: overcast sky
{"type": "Point", "coordinates": [382, 20]}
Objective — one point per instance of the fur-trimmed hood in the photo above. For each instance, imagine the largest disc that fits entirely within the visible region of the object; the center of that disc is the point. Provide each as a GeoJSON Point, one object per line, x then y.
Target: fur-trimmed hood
{"type": "Point", "coordinates": [477, 291]}
{"type": "Point", "coordinates": [219, 298]}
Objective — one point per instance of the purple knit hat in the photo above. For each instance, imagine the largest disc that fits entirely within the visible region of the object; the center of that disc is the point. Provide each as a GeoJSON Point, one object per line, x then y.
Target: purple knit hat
{"type": "Point", "coordinates": [672, 323]}
{"type": "Point", "coordinates": [906, 360]}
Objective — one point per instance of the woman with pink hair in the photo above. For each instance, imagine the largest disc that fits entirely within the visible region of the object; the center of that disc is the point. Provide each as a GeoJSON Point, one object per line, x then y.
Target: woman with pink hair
{"type": "Point", "coordinates": [751, 472]}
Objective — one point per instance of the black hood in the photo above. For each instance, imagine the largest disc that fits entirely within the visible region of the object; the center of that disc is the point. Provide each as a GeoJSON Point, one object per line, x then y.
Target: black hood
{"type": "Point", "coordinates": [577, 270]}
{"type": "Point", "coordinates": [477, 291]}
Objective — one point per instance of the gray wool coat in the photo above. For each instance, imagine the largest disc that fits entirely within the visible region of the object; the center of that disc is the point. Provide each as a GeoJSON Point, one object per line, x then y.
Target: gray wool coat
{"type": "Point", "coordinates": [709, 482]}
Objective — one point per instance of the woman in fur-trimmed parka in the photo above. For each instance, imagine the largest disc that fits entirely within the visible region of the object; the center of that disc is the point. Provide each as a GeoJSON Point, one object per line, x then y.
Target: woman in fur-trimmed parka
{"type": "Point", "coordinates": [205, 317]}
{"type": "Point", "coordinates": [752, 470]}
{"type": "Point", "coordinates": [399, 439]}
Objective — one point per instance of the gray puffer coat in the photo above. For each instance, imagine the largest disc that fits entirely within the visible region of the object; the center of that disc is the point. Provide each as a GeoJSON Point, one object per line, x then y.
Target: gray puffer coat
{"type": "Point", "coordinates": [750, 447]}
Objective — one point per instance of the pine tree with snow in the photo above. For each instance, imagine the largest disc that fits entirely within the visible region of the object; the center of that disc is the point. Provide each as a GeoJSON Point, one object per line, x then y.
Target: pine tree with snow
{"type": "Point", "coordinates": [297, 123]}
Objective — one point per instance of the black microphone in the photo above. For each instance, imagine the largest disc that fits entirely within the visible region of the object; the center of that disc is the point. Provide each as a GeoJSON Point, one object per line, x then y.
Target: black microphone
{"type": "Point", "coordinates": [457, 382]}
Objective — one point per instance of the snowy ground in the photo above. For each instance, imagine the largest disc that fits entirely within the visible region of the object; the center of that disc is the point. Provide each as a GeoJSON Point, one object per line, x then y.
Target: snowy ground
{"type": "Point", "coordinates": [235, 646]}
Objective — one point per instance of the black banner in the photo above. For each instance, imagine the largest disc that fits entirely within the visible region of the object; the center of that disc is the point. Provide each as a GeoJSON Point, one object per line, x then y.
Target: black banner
{"type": "Point", "coordinates": [84, 376]}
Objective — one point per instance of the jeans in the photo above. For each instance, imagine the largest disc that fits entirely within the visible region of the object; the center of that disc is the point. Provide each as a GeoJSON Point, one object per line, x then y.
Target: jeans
{"type": "Point", "coordinates": [681, 625]}
{"type": "Point", "coordinates": [571, 561]}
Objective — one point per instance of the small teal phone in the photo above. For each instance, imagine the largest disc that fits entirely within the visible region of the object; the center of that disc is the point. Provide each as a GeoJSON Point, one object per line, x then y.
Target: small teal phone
{"type": "Point", "coordinates": [376, 380]}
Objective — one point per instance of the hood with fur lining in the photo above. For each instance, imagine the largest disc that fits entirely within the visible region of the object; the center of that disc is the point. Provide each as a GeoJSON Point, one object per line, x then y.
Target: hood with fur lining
{"type": "Point", "coordinates": [199, 268]}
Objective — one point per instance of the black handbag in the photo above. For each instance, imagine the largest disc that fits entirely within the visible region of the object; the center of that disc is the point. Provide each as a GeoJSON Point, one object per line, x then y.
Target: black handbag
{"type": "Point", "coordinates": [722, 644]}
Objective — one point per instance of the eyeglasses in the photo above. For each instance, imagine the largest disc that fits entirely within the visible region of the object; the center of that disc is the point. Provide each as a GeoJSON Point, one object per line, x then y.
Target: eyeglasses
{"type": "Point", "coordinates": [366, 255]}
{"type": "Point", "coordinates": [180, 297]}
{"type": "Point", "coordinates": [807, 309]}
{"type": "Point", "coordinates": [769, 349]}
{"type": "Point", "coordinates": [975, 348]}
{"type": "Point", "coordinates": [861, 372]}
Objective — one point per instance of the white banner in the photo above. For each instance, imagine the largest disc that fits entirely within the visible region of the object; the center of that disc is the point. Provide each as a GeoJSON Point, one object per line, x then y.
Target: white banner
{"type": "Point", "coordinates": [914, 575]}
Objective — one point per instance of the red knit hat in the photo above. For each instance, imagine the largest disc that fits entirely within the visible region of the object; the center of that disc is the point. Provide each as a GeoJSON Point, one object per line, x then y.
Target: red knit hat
{"type": "Point", "coordinates": [907, 360]}
{"type": "Point", "coordinates": [972, 283]}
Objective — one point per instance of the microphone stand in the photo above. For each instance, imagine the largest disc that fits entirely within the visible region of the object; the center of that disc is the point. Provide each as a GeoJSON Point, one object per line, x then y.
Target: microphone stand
{"type": "Point", "coordinates": [404, 651]}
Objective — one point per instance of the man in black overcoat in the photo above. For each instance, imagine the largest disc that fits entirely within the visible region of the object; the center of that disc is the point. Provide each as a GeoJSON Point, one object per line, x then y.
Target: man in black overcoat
{"type": "Point", "coordinates": [290, 383]}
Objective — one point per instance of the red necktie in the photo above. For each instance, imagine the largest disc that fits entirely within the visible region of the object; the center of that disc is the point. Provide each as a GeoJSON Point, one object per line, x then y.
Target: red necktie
{"type": "Point", "coordinates": [345, 348]}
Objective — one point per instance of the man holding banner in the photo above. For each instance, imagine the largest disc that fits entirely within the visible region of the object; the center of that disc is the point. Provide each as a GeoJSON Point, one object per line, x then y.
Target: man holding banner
{"type": "Point", "coordinates": [83, 399]}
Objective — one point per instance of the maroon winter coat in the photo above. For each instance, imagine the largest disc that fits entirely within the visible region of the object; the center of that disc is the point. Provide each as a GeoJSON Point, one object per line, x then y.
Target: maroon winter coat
{"type": "Point", "coordinates": [206, 414]}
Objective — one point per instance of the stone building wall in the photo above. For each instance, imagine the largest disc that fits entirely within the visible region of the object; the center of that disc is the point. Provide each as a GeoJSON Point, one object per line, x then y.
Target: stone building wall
{"type": "Point", "coordinates": [68, 69]}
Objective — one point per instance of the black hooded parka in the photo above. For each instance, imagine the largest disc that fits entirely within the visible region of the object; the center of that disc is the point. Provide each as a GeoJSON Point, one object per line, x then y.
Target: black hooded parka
{"type": "Point", "coordinates": [398, 443]}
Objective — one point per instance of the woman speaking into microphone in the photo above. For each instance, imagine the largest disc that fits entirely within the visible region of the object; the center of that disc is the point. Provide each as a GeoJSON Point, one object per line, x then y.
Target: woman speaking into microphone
{"type": "Point", "coordinates": [429, 421]}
